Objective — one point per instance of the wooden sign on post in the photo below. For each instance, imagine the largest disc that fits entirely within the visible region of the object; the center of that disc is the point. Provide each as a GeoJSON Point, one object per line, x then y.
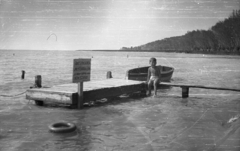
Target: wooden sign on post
{"type": "Point", "coordinates": [81, 73]}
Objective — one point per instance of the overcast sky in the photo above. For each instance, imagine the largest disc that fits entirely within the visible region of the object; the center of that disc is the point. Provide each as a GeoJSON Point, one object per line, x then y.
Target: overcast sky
{"type": "Point", "coordinates": [103, 24]}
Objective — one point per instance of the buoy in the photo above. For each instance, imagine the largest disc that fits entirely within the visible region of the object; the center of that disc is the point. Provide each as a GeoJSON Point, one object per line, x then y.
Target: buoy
{"type": "Point", "coordinates": [62, 127]}
{"type": "Point", "coordinates": [23, 74]}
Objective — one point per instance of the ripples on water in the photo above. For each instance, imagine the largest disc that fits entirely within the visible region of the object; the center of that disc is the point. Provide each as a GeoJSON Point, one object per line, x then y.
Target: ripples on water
{"type": "Point", "coordinates": [104, 127]}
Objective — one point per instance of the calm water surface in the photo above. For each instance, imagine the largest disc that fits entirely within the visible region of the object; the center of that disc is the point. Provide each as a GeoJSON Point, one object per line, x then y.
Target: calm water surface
{"type": "Point", "coordinates": [110, 126]}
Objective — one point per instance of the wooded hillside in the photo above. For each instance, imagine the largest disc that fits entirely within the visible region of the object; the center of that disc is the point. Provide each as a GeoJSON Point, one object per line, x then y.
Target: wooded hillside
{"type": "Point", "coordinates": [223, 37]}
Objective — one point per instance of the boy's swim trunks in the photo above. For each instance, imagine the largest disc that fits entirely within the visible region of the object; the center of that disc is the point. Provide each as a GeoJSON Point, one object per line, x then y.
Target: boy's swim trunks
{"type": "Point", "coordinates": [154, 78]}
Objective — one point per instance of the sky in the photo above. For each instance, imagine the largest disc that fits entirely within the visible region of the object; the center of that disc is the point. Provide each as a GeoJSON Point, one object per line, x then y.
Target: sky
{"type": "Point", "coordinates": [103, 24]}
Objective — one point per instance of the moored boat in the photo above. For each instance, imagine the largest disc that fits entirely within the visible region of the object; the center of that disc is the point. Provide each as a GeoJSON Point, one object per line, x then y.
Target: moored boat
{"type": "Point", "coordinates": [140, 74]}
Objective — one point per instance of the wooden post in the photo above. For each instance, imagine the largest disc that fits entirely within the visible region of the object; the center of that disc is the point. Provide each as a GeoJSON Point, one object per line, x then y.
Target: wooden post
{"type": "Point", "coordinates": [23, 74]}
{"type": "Point", "coordinates": [80, 95]}
{"type": "Point", "coordinates": [38, 81]}
{"type": "Point", "coordinates": [185, 92]}
{"type": "Point", "coordinates": [38, 84]}
{"type": "Point", "coordinates": [109, 75]}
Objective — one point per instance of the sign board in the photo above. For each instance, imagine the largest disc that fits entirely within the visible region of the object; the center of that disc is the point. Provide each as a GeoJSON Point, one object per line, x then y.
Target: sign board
{"type": "Point", "coordinates": [81, 70]}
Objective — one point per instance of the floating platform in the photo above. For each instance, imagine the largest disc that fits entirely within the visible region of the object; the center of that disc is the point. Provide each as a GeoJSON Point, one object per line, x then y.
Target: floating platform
{"type": "Point", "coordinates": [92, 90]}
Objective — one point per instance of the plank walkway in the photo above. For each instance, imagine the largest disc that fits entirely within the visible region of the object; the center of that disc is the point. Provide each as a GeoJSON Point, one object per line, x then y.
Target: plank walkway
{"type": "Point", "coordinates": [92, 90]}
{"type": "Point", "coordinates": [185, 88]}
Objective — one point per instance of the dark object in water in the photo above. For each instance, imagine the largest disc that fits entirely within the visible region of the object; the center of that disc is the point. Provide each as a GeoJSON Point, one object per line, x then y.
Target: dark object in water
{"type": "Point", "coordinates": [109, 75]}
{"type": "Point", "coordinates": [38, 81]}
{"type": "Point", "coordinates": [140, 74]}
{"type": "Point", "coordinates": [62, 127]}
{"type": "Point", "coordinates": [23, 74]}
{"type": "Point", "coordinates": [39, 103]}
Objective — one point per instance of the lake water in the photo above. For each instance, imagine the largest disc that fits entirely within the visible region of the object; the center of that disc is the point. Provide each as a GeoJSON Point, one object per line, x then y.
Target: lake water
{"type": "Point", "coordinates": [105, 127]}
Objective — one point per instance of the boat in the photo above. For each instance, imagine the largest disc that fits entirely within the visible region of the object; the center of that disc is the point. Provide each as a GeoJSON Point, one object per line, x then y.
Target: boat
{"type": "Point", "coordinates": [140, 74]}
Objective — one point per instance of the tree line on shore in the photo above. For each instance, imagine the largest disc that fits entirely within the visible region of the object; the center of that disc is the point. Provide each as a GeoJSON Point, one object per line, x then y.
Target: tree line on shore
{"type": "Point", "coordinates": [223, 37]}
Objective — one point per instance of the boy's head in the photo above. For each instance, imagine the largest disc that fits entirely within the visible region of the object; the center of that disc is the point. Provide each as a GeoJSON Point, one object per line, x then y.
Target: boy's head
{"type": "Point", "coordinates": [153, 61]}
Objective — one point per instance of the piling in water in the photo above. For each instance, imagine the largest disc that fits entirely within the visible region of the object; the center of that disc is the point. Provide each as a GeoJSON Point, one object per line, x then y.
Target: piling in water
{"type": "Point", "coordinates": [38, 81]}
{"type": "Point", "coordinates": [23, 74]}
{"type": "Point", "coordinates": [109, 75]}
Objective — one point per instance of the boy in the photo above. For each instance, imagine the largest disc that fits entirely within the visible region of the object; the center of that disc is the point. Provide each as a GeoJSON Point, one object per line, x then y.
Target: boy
{"type": "Point", "coordinates": [154, 75]}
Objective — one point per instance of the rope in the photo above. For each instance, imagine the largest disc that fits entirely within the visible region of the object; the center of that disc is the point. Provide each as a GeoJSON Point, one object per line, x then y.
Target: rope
{"type": "Point", "coordinates": [13, 95]}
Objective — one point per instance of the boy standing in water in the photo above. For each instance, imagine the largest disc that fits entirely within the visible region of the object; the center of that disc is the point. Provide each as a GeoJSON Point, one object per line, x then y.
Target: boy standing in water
{"type": "Point", "coordinates": [154, 75]}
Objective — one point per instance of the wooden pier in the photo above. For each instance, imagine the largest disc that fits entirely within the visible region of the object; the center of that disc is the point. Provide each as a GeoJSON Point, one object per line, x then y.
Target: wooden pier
{"type": "Point", "coordinates": [92, 90]}
{"type": "Point", "coordinates": [95, 90]}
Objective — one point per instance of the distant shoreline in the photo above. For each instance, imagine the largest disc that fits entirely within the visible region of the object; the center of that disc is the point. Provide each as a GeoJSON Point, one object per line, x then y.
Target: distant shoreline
{"type": "Point", "coordinates": [165, 51]}
{"type": "Point", "coordinates": [169, 51]}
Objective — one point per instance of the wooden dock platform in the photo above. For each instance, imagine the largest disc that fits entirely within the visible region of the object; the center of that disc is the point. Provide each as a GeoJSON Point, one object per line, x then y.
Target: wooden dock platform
{"type": "Point", "coordinates": [95, 90]}
{"type": "Point", "coordinates": [92, 90]}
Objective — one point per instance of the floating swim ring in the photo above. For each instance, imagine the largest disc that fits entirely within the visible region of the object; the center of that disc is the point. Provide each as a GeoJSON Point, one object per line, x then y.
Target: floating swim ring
{"type": "Point", "coordinates": [62, 127]}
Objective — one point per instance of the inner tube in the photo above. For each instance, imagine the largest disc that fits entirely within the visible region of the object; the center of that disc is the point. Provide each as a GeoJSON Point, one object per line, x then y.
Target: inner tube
{"type": "Point", "coordinates": [62, 127]}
